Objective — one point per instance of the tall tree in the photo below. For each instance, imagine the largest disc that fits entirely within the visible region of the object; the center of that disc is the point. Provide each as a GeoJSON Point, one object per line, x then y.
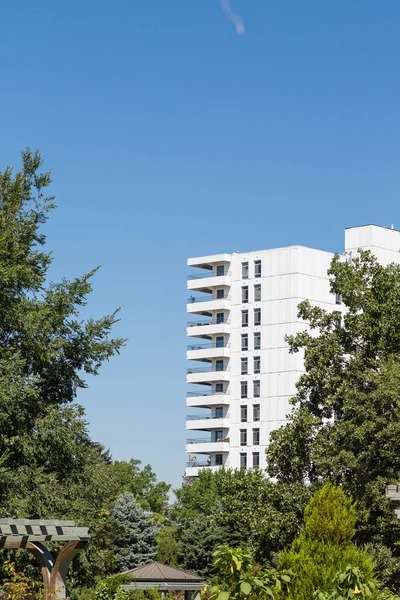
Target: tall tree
{"type": "Point", "coordinates": [45, 348]}
{"type": "Point", "coordinates": [49, 466]}
{"type": "Point", "coordinates": [345, 424]}
{"type": "Point", "coordinates": [135, 542]}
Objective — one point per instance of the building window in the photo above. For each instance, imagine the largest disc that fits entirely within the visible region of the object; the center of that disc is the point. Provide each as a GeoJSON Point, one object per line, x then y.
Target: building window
{"type": "Point", "coordinates": [243, 461]}
{"type": "Point", "coordinates": [338, 299]}
{"type": "Point", "coordinates": [245, 270]}
{"type": "Point", "coordinates": [257, 340]}
{"type": "Point", "coordinates": [243, 437]}
{"type": "Point", "coordinates": [257, 292]}
{"type": "Point", "coordinates": [245, 318]}
{"type": "Point", "coordinates": [257, 364]}
{"type": "Point", "coordinates": [219, 435]}
{"type": "Point", "coordinates": [256, 437]}
{"type": "Point", "coordinates": [219, 388]}
{"type": "Point", "coordinates": [220, 270]}
{"type": "Point", "coordinates": [219, 341]}
{"type": "Point", "coordinates": [244, 364]}
{"type": "Point", "coordinates": [220, 318]}
{"type": "Point", "coordinates": [221, 293]}
{"type": "Point", "coordinates": [256, 460]}
{"type": "Point", "coordinates": [243, 389]}
{"type": "Point", "coordinates": [219, 412]}
{"type": "Point", "coordinates": [257, 316]}
{"type": "Point", "coordinates": [257, 268]}
{"type": "Point", "coordinates": [245, 294]}
{"type": "Point", "coordinates": [219, 365]}
{"type": "Point", "coordinates": [256, 388]}
{"type": "Point", "coordinates": [256, 412]}
{"type": "Point", "coordinates": [245, 341]}
{"type": "Point", "coordinates": [218, 460]}
{"type": "Point", "coordinates": [243, 414]}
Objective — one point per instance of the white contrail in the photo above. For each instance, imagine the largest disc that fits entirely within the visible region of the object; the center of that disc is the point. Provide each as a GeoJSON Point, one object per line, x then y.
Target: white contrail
{"type": "Point", "coordinates": [226, 7]}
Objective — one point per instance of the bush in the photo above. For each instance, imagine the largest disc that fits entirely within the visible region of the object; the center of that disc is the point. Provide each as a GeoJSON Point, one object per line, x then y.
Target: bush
{"type": "Point", "coordinates": [324, 547]}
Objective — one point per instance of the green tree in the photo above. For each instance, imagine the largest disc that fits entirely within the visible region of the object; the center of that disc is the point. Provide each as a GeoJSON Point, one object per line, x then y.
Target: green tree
{"type": "Point", "coordinates": [200, 537]}
{"type": "Point", "coordinates": [142, 482]}
{"type": "Point", "coordinates": [345, 424]}
{"type": "Point", "coordinates": [45, 350]}
{"type": "Point", "coordinates": [250, 510]}
{"type": "Point", "coordinates": [168, 545]}
{"type": "Point", "coordinates": [325, 546]}
{"type": "Point", "coordinates": [135, 543]}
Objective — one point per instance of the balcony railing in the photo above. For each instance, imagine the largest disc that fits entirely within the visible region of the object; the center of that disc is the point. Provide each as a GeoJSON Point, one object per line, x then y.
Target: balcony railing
{"type": "Point", "coordinates": [207, 369]}
{"type": "Point", "coordinates": [201, 417]}
{"type": "Point", "coordinates": [197, 463]}
{"type": "Point", "coordinates": [199, 393]}
{"type": "Point", "coordinates": [212, 322]}
{"type": "Point", "coordinates": [206, 440]}
{"type": "Point", "coordinates": [195, 299]}
{"type": "Point", "coordinates": [210, 273]}
{"type": "Point", "coordinates": [207, 345]}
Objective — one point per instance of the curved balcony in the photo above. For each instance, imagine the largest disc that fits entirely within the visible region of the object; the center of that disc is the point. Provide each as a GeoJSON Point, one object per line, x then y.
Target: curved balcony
{"type": "Point", "coordinates": [193, 470]}
{"type": "Point", "coordinates": [199, 399]}
{"type": "Point", "coordinates": [206, 446]}
{"type": "Point", "coordinates": [206, 329]}
{"type": "Point", "coordinates": [206, 422]}
{"type": "Point", "coordinates": [207, 375]}
{"type": "Point", "coordinates": [206, 306]}
{"type": "Point", "coordinates": [208, 350]}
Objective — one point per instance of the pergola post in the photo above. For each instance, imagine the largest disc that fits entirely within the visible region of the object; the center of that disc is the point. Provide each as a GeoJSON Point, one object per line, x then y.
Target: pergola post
{"type": "Point", "coordinates": [188, 594]}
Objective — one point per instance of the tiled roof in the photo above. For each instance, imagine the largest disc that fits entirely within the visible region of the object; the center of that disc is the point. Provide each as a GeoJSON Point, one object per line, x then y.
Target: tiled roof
{"type": "Point", "coordinates": [158, 572]}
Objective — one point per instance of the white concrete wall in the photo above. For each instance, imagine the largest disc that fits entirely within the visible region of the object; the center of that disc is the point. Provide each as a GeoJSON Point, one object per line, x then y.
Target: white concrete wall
{"type": "Point", "coordinates": [383, 242]}
{"type": "Point", "coordinates": [289, 275]}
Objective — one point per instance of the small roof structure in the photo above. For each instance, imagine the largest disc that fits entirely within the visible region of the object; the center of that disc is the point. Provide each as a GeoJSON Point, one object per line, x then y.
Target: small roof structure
{"type": "Point", "coordinates": [163, 577]}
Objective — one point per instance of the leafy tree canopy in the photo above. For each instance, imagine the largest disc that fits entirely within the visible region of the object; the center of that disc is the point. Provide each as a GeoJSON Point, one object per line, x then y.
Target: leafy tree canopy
{"type": "Point", "coordinates": [250, 510]}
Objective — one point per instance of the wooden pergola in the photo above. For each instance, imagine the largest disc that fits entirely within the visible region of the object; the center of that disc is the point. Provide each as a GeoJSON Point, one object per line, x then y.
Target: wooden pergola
{"type": "Point", "coordinates": [32, 535]}
{"type": "Point", "coordinates": [165, 579]}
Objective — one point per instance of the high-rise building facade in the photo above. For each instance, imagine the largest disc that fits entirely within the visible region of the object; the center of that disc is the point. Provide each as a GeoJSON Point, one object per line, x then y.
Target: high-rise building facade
{"type": "Point", "coordinates": [241, 375]}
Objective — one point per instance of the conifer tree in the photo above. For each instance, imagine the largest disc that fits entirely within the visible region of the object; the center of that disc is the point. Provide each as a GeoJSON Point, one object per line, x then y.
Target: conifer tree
{"type": "Point", "coordinates": [136, 538]}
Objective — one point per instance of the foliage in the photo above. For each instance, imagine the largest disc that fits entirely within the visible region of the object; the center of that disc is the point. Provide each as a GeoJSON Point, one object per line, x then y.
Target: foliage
{"type": "Point", "coordinates": [248, 509]}
{"type": "Point", "coordinates": [199, 539]}
{"type": "Point", "coordinates": [149, 493]}
{"type": "Point", "coordinates": [385, 563]}
{"type": "Point", "coordinates": [167, 545]}
{"type": "Point", "coordinates": [16, 585]}
{"type": "Point", "coordinates": [330, 517]}
{"type": "Point", "coordinates": [108, 589]}
{"type": "Point", "coordinates": [345, 425]}
{"type": "Point", "coordinates": [348, 584]}
{"type": "Point", "coordinates": [324, 547]}
{"type": "Point", "coordinates": [49, 466]}
{"type": "Point", "coordinates": [136, 542]}
{"type": "Point", "coordinates": [238, 577]}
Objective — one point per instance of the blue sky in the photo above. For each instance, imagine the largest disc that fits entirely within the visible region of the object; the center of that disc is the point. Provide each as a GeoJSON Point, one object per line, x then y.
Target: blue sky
{"type": "Point", "coordinates": [169, 135]}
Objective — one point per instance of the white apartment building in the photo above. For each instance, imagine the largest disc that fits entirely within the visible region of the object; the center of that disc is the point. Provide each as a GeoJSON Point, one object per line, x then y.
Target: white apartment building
{"type": "Point", "coordinates": [241, 375]}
